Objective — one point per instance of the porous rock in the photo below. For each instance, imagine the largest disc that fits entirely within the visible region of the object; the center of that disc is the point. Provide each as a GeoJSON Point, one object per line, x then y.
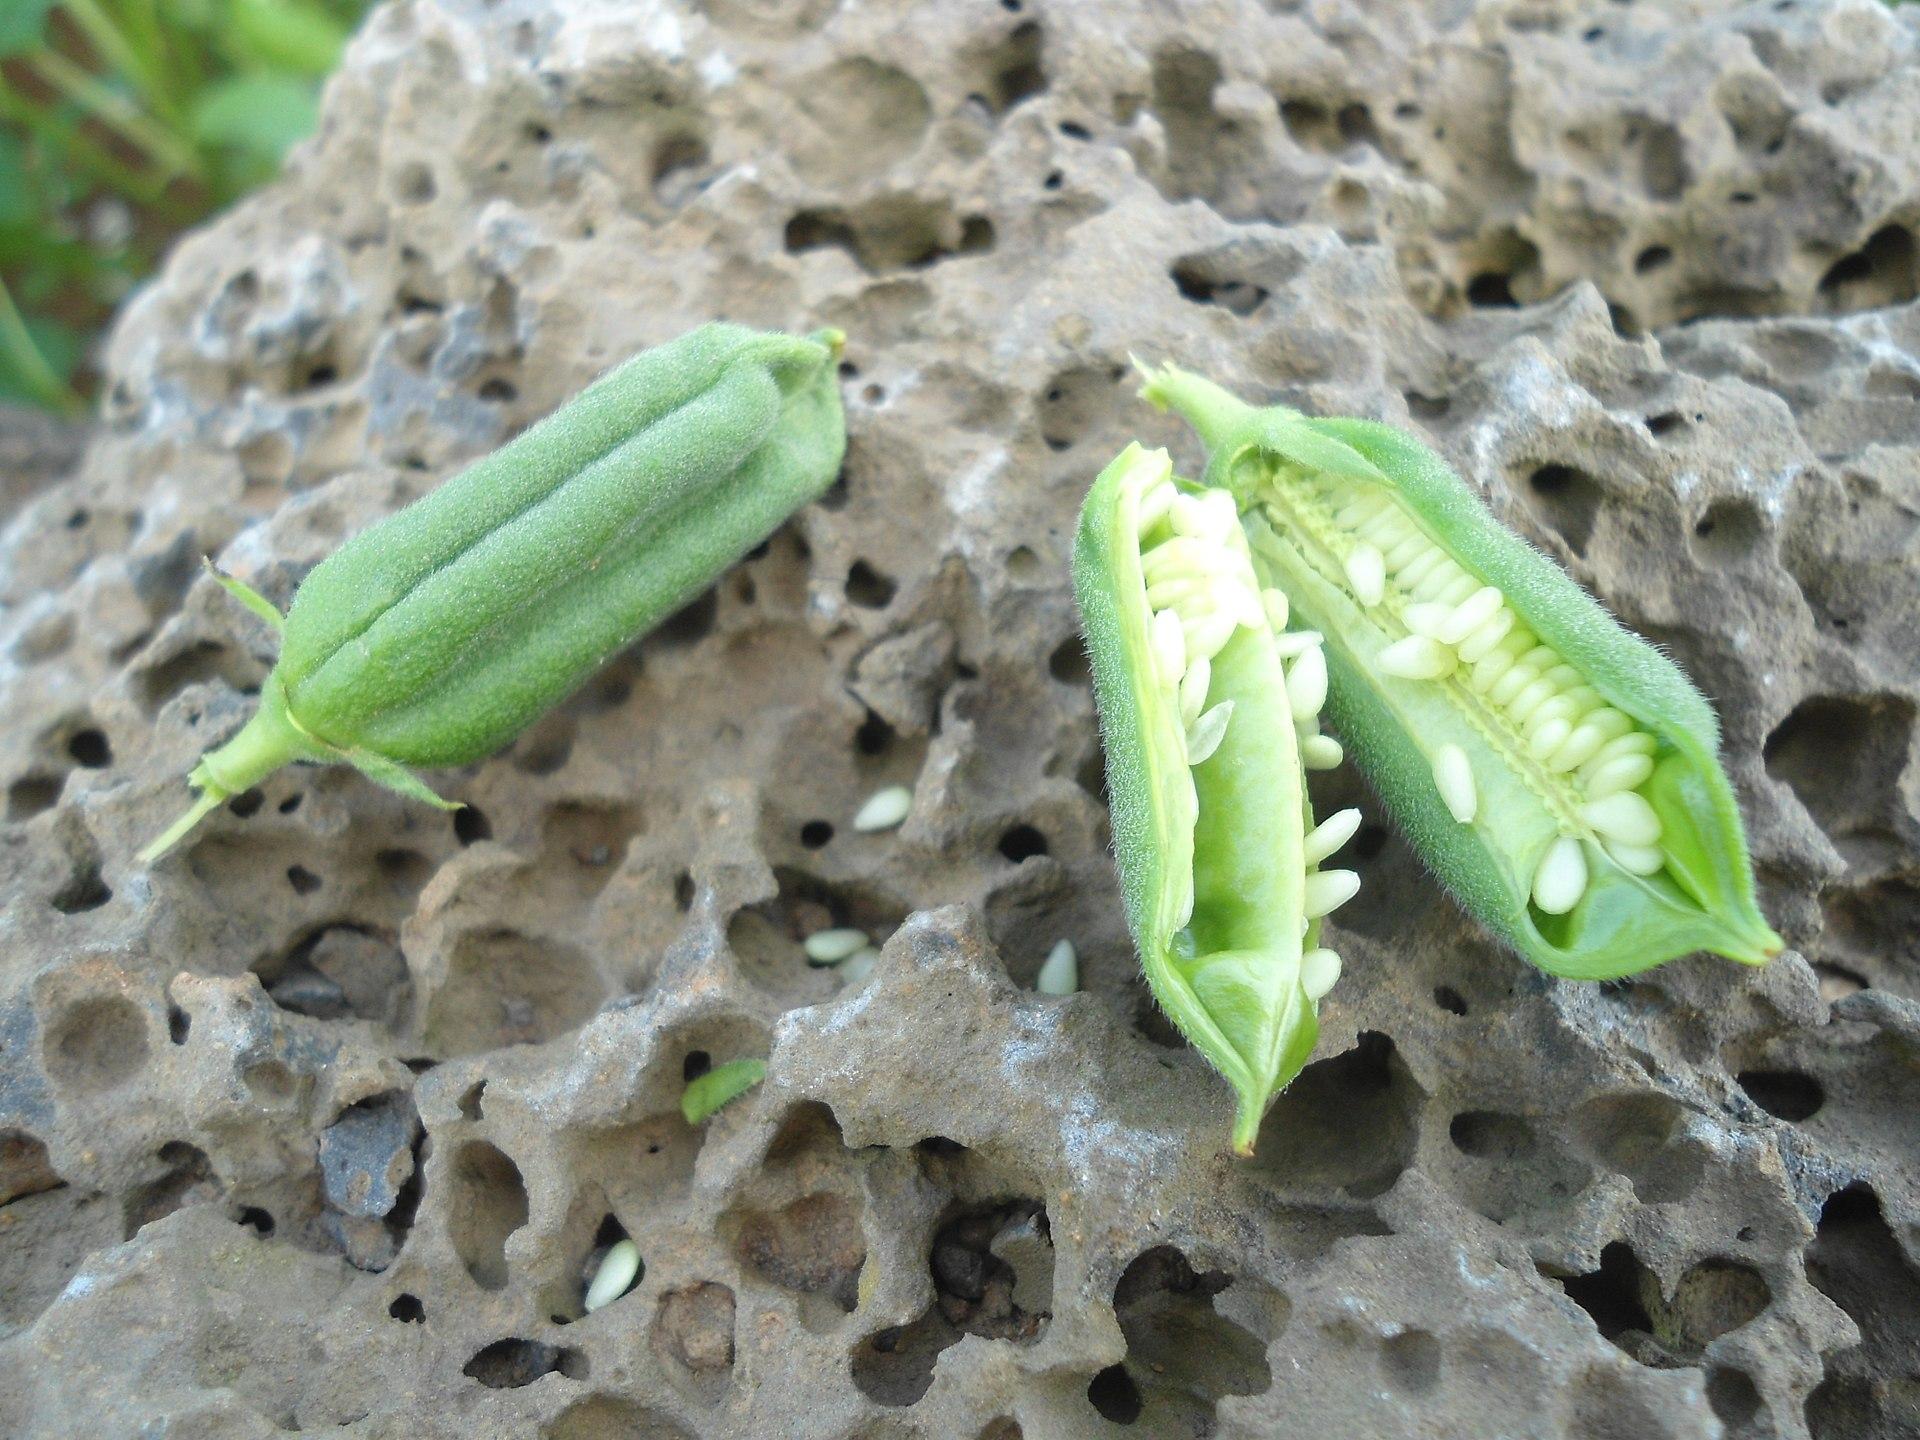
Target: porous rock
{"type": "Point", "coordinates": [1646, 274]}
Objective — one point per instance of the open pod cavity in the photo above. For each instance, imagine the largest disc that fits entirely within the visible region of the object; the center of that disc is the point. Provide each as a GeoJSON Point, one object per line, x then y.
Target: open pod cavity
{"type": "Point", "coordinates": [1558, 773]}
{"type": "Point", "coordinates": [1209, 710]}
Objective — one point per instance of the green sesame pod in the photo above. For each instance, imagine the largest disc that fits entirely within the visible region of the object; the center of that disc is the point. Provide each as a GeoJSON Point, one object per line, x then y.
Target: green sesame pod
{"type": "Point", "coordinates": [1556, 772]}
{"type": "Point", "coordinates": [436, 636]}
{"type": "Point", "coordinates": [1204, 729]}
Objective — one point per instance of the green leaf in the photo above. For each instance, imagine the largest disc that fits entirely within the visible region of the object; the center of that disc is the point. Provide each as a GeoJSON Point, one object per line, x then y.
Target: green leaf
{"type": "Point", "coordinates": [720, 1086]}
{"type": "Point", "coordinates": [59, 347]}
{"type": "Point", "coordinates": [286, 36]}
{"type": "Point", "coordinates": [17, 205]}
{"type": "Point", "coordinates": [260, 116]}
{"type": "Point", "coordinates": [23, 25]}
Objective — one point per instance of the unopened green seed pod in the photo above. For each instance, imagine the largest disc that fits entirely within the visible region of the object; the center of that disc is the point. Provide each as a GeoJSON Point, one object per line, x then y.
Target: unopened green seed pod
{"type": "Point", "coordinates": [1557, 773]}
{"type": "Point", "coordinates": [439, 634]}
{"type": "Point", "coordinates": [1205, 710]}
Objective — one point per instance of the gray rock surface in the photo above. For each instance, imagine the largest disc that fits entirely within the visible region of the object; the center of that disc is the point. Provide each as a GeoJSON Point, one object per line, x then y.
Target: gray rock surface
{"type": "Point", "coordinates": [1646, 273]}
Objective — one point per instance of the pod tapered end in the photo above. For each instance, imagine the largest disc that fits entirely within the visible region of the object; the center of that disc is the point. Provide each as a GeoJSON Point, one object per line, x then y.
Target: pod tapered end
{"type": "Point", "coordinates": [265, 743]}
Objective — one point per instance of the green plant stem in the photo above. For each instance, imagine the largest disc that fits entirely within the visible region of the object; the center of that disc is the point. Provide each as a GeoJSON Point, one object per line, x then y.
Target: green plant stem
{"type": "Point", "coordinates": [16, 343]}
{"type": "Point", "coordinates": [173, 154]}
{"type": "Point", "coordinates": [121, 55]}
{"type": "Point", "coordinates": [86, 155]}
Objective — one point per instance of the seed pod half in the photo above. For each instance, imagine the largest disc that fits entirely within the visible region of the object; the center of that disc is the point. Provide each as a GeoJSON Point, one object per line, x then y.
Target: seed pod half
{"type": "Point", "coordinates": [1202, 721]}
{"type": "Point", "coordinates": [1557, 773]}
{"type": "Point", "coordinates": [437, 635]}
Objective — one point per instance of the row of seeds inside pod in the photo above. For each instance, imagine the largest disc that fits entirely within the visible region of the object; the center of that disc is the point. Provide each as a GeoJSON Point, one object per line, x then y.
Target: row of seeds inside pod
{"type": "Point", "coordinates": [1464, 629]}
{"type": "Point", "coordinates": [1201, 589]}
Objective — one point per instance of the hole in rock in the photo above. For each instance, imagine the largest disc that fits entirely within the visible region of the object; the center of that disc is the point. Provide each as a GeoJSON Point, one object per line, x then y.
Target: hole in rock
{"type": "Point", "coordinates": [489, 1203]}
{"type": "Point", "coordinates": [1785, 1094]}
{"type": "Point", "coordinates": [470, 825]}
{"type": "Point", "coordinates": [504, 988]}
{"type": "Point", "coordinates": [1113, 1393]}
{"type": "Point", "coordinates": [1183, 1355]}
{"type": "Point", "coordinates": [1022, 842]}
{"type": "Point", "coordinates": [1614, 1295]}
{"type": "Point", "coordinates": [1196, 283]}
{"type": "Point", "coordinates": [1068, 663]}
{"type": "Point", "coordinates": [868, 588]}
{"type": "Point", "coordinates": [1568, 500]}
{"type": "Point", "coordinates": [510, 1364]}
{"type": "Point", "coordinates": [95, 1044]}
{"type": "Point", "coordinates": [1856, 1262]}
{"type": "Point", "coordinates": [815, 833]}
{"type": "Point", "coordinates": [1882, 272]}
{"type": "Point", "coordinates": [1348, 1122]}
{"type": "Point", "coordinates": [89, 748]}
{"type": "Point", "coordinates": [1843, 756]}
{"type": "Point", "coordinates": [255, 1219]}
{"type": "Point", "coordinates": [32, 794]}
{"type": "Point", "coordinates": [408, 1310]}
{"type": "Point", "coordinates": [813, 1246]}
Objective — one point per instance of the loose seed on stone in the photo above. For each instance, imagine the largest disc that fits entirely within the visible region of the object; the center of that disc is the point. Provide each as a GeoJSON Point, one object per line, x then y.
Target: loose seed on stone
{"type": "Point", "coordinates": [830, 947]}
{"type": "Point", "coordinates": [857, 966]}
{"type": "Point", "coordinates": [884, 809]}
{"type": "Point", "coordinates": [1562, 877]}
{"type": "Point", "coordinates": [1453, 774]}
{"type": "Point", "coordinates": [1060, 971]}
{"type": "Point", "coordinates": [617, 1269]}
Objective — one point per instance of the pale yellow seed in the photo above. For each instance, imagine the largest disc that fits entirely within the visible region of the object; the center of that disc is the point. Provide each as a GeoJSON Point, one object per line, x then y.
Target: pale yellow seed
{"type": "Point", "coordinates": [1486, 637]}
{"type": "Point", "coordinates": [1207, 733]}
{"type": "Point", "coordinates": [1321, 752]}
{"type": "Point", "coordinates": [1548, 738]}
{"type": "Point", "coordinates": [1561, 878]}
{"type": "Point", "coordinates": [1637, 859]}
{"type": "Point", "coordinates": [1274, 603]}
{"type": "Point", "coordinates": [1416, 658]}
{"type": "Point", "coordinates": [1453, 777]}
{"type": "Point", "coordinates": [1319, 973]}
{"type": "Point", "coordinates": [617, 1269]}
{"type": "Point", "coordinates": [1307, 683]}
{"type": "Point", "coordinates": [1625, 817]}
{"type": "Point", "coordinates": [857, 966]}
{"type": "Point", "coordinates": [1366, 571]}
{"type": "Point", "coordinates": [1060, 971]}
{"type": "Point", "coordinates": [1423, 617]}
{"type": "Point", "coordinates": [1169, 646]}
{"type": "Point", "coordinates": [1193, 689]}
{"type": "Point", "coordinates": [1327, 890]}
{"type": "Point", "coordinates": [1578, 748]}
{"type": "Point", "coordinates": [1154, 505]}
{"type": "Point", "coordinates": [1330, 834]}
{"type": "Point", "coordinates": [1291, 643]}
{"type": "Point", "coordinates": [1621, 773]}
{"type": "Point", "coordinates": [1471, 613]}
{"type": "Point", "coordinates": [884, 809]}
{"type": "Point", "coordinates": [830, 947]}
{"type": "Point", "coordinates": [1416, 571]}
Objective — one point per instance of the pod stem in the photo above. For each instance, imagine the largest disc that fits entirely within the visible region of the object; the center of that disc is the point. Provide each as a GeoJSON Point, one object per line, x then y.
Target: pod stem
{"type": "Point", "coordinates": [265, 743]}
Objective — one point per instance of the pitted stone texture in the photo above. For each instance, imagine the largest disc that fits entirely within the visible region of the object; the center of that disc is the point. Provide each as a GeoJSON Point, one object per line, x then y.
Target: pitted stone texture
{"type": "Point", "coordinates": [1495, 1204]}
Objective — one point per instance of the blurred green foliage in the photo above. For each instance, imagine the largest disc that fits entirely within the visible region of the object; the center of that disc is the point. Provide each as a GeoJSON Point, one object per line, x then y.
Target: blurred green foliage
{"type": "Point", "coordinates": [123, 122]}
